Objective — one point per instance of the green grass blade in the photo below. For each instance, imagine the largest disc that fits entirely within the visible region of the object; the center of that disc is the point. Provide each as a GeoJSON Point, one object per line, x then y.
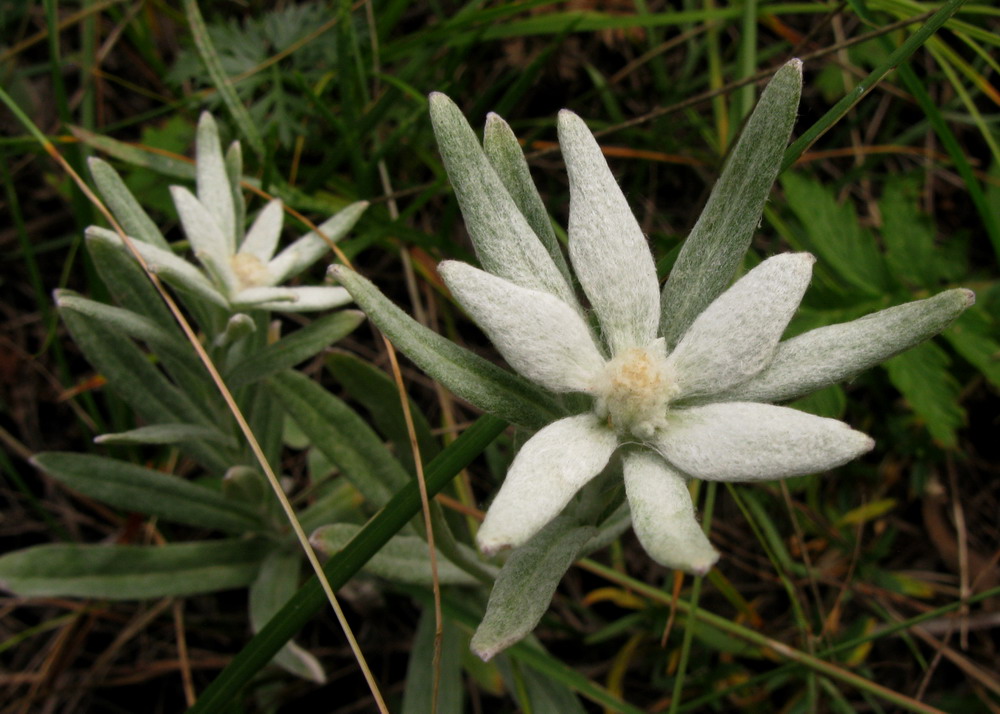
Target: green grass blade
{"type": "Point", "coordinates": [896, 58]}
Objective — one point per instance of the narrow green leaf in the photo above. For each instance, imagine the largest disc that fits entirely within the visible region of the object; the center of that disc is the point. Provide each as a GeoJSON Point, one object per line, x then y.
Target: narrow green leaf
{"type": "Point", "coordinates": [531, 654]}
{"type": "Point", "coordinates": [174, 270]}
{"type": "Point", "coordinates": [293, 349]}
{"type": "Point", "coordinates": [505, 155]}
{"type": "Point", "coordinates": [715, 248]}
{"type": "Point", "coordinates": [377, 392]}
{"type": "Point", "coordinates": [277, 580]}
{"type": "Point", "coordinates": [341, 567]}
{"type": "Point", "coordinates": [538, 691]}
{"type": "Point", "coordinates": [418, 693]}
{"type": "Point", "coordinates": [923, 378]}
{"type": "Point", "coordinates": [469, 376]}
{"type": "Point", "coordinates": [130, 214]}
{"type": "Point", "coordinates": [130, 154]}
{"type": "Point", "coordinates": [136, 489]}
{"type": "Point", "coordinates": [526, 583]}
{"type": "Point", "coordinates": [167, 434]}
{"type": "Point", "coordinates": [208, 54]}
{"type": "Point", "coordinates": [129, 285]}
{"type": "Point", "coordinates": [404, 559]}
{"type": "Point", "coordinates": [131, 375]}
{"type": "Point", "coordinates": [343, 437]}
{"type": "Point", "coordinates": [130, 572]}
{"type": "Point", "coordinates": [167, 343]}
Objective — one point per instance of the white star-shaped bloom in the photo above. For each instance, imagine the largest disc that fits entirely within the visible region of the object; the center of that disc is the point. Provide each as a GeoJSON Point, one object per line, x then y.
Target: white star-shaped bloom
{"type": "Point", "coordinates": [665, 410]}
{"type": "Point", "coordinates": [241, 271]}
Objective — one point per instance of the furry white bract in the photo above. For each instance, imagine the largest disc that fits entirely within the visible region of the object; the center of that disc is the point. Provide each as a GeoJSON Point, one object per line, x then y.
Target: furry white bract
{"type": "Point", "coordinates": [606, 246]}
{"type": "Point", "coordinates": [568, 453]}
{"type": "Point", "coordinates": [663, 515]}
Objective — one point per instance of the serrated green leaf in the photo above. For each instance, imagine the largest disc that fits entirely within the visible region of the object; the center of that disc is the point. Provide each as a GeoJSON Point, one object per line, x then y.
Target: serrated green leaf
{"type": "Point", "coordinates": [975, 336]}
{"type": "Point", "coordinates": [138, 489]}
{"type": "Point", "coordinates": [526, 583]}
{"type": "Point", "coordinates": [344, 437]}
{"type": "Point", "coordinates": [404, 559]}
{"type": "Point", "coordinates": [715, 248]}
{"type": "Point", "coordinates": [832, 231]}
{"type": "Point", "coordinates": [908, 235]}
{"type": "Point", "coordinates": [293, 349]}
{"type": "Point", "coordinates": [418, 693]}
{"type": "Point", "coordinates": [129, 572]}
{"type": "Point", "coordinates": [922, 376]}
{"type": "Point", "coordinates": [492, 389]}
{"type": "Point", "coordinates": [276, 582]}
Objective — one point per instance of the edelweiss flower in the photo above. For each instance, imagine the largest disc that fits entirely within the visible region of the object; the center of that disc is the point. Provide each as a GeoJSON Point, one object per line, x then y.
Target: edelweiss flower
{"type": "Point", "coordinates": [691, 411]}
{"type": "Point", "coordinates": [243, 272]}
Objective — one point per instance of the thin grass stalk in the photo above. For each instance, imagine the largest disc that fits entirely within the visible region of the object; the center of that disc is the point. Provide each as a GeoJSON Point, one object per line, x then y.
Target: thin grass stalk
{"type": "Point", "coordinates": [689, 627]}
{"type": "Point", "coordinates": [795, 656]}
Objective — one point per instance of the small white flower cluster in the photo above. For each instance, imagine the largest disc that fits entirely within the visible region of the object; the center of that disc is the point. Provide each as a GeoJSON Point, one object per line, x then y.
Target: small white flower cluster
{"type": "Point", "coordinates": [697, 408]}
{"type": "Point", "coordinates": [242, 270]}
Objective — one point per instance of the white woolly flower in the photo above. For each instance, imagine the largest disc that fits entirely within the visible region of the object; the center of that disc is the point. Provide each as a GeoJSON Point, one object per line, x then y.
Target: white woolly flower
{"type": "Point", "coordinates": [664, 410]}
{"type": "Point", "coordinates": [243, 272]}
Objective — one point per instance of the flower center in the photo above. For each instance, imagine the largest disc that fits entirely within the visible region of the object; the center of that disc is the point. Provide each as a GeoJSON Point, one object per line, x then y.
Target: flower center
{"type": "Point", "coordinates": [250, 271]}
{"type": "Point", "coordinates": [633, 391]}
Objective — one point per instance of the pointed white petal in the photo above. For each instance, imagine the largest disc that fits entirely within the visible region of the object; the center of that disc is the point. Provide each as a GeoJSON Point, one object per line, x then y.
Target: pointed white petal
{"type": "Point", "coordinates": [504, 240]}
{"type": "Point", "coordinates": [743, 441]}
{"type": "Point", "coordinates": [262, 238]}
{"type": "Point", "coordinates": [176, 271]}
{"type": "Point", "coordinates": [832, 354]}
{"type": "Point", "coordinates": [548, 470]}
{"type": "Point", "coordinates": [663, 515]}
{"type": "Point", "coordinates": [213, 186]}
{"type": "Point", "coordinates": [538, 334]}
{"type": "Point", "coordinates": [311, 247]}
{"type": "Point", "coordinates": [737, 335]}
{"type": "Point", "coordinates": [606, 246]}
{"type": "Point", "coordinates": [206, 238]}
{"type": "Point", "coordinates": [304, 299]}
